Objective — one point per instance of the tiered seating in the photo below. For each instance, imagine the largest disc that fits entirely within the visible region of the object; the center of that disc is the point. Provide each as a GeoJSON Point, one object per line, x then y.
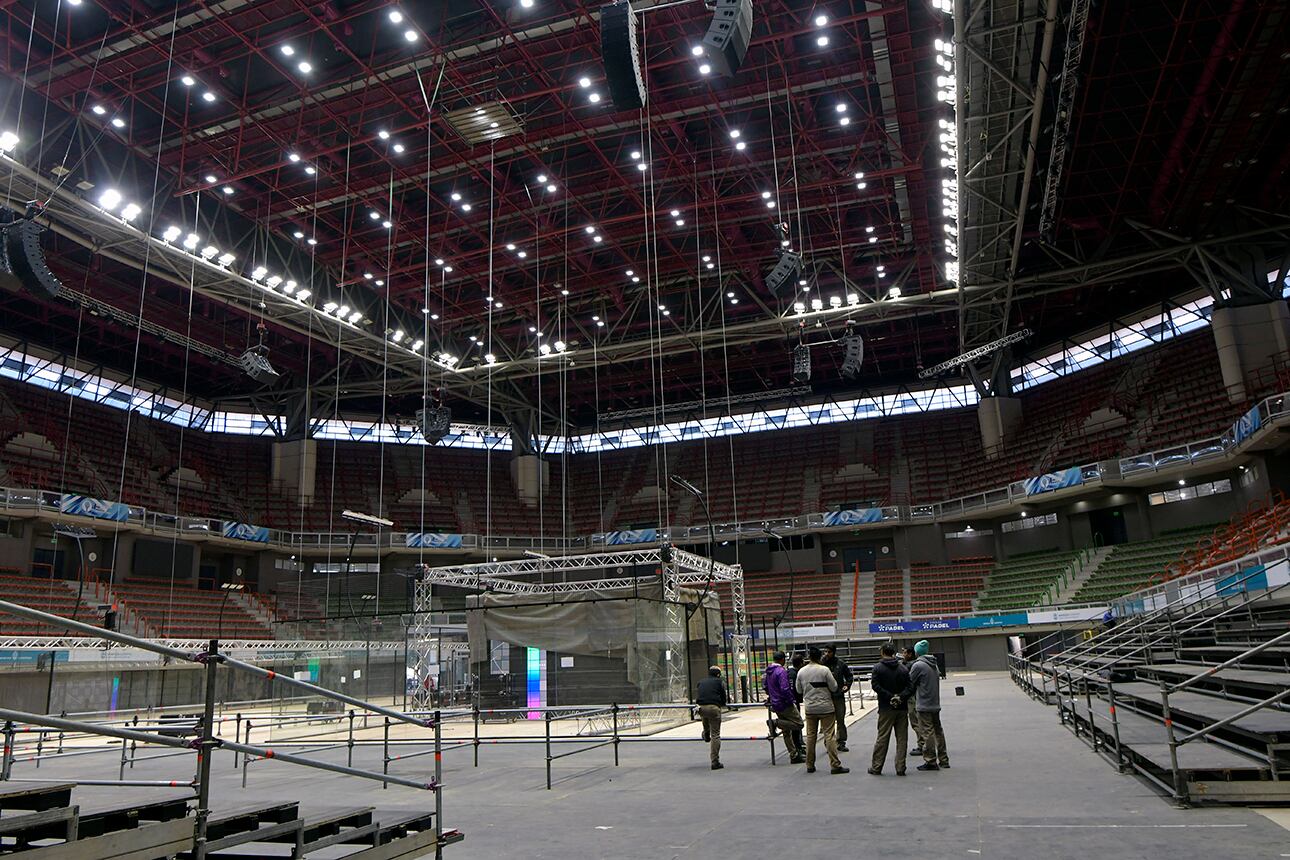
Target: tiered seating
{"type": "Point", "coordinates": [1265, 524]}
{"type": "Point", "coordinates": [1024, 580]}
{"type": "Point", "coordinates": [188, 613]}
{"type": "Point", "coordinates": [1131, 566]}
{"type": "Point", "coordinates": [1186, 400]}
{"type": "Point", "coordinates": [946, 589]}
{"type": "Point", "coordinates": [815, 596]}
{"type": "Point", "coordinates": [56, 596]}
{"type": "Point", "coordinates": [889, 593]}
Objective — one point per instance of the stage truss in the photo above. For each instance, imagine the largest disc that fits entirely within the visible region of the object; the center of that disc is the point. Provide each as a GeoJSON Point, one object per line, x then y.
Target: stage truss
{"type": "Point", "coordinates": [678, 569]}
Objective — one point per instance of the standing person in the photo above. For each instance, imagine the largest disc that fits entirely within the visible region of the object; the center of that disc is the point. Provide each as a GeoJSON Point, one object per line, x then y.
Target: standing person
{"type": "Point", "coordinates": [817, 685]}
{"type": "Point", "coordinates": [842, 674]}
{"type": "Point", "coordinates": [711, 698]}
{"type": "Point", "coordinates": [794, 667]}
{"type": "Point", "coordinates": [890, 682]}
{"type": "Point", "coordinates": [908, 657]}
{"type": "Point", "coordinates": [783, 703]}
{"type": "Point", "coordinates": [925, 675]}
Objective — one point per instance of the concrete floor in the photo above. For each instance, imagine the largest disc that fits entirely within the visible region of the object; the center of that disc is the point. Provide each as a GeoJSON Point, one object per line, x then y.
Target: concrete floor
{"type": "Point", "coordinates": [1021, 786]}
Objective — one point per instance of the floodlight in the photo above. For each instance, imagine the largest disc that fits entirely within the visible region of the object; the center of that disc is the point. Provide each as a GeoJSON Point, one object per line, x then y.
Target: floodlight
{"type": "Point", "coordinates": [369, 519]}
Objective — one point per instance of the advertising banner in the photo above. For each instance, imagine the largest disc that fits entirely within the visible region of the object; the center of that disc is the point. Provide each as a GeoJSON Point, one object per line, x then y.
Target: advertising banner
{"type": "Point", "coordinates": [631, 536]}
{"type": "Point", "coordinates": [1071, 477]}
{"type": "Point", "coordinates": [245, 531]}
{"type": "Point", "coordinates": [432, 540]}
{"type": "Point", "coordinates": [84, 506]}
{"type": "Point", "coordinates": [853, 517]}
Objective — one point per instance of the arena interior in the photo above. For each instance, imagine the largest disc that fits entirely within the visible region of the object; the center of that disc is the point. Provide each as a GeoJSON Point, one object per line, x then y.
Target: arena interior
{"type": "Point", "coordinates": [409, 407]}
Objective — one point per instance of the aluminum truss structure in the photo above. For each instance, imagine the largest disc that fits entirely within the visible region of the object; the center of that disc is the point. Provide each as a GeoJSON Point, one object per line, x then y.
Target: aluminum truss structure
{"type": "Point", "coordinates": [1002, 62]}
{"type": "Point", "coordinates": [678, 568]}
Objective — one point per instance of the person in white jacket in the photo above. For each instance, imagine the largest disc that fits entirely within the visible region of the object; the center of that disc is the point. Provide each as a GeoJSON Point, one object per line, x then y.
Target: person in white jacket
{"type": "Point", "coordinates": [816, 685]}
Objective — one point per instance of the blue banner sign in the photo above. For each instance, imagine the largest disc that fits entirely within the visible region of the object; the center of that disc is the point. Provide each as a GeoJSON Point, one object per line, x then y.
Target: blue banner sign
{"type": "Point", "coordinates": [84, 506]}
{"type": "Point", "coordinates": [631, 536]}
{"type": "Point", "coordinates": [914, 626]}
{"type": "Point", "coordinates": [1071, 477]}
{"type": "Point", "coordinates": [1246, 425]}
{"type": "Point", "coordinates": [1007, 619]}
{"type": "Point", "coordinates": [245, 531]}
{"type": "Point", "coordinates": [432, 540]}
{"type": "Point", "coordinates": [1251, 579]}
{"type": "Point", "coordinates": [22, 656]}
{"type": "Point", "coordinates": [853, 518]}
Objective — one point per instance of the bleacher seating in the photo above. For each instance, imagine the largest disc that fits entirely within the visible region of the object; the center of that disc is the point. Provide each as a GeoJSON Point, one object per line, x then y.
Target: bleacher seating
{"type": "Point", "coordinates": [185, 612]}
{"type": "Point", "coordinates": [1266, 523]}
{"type": "Point", "coordinates": [1024, 580]}
{"type": "Point", "coordinates": [888, 593]}
{"type": "Point", "coordinates": [946, 589]}
{"type": "Point", "coordinates": [815, 596]}
{"type": "Point", "coordinates": [1132, 565]}
{"type": "Point", "coordinates": [57, 596]}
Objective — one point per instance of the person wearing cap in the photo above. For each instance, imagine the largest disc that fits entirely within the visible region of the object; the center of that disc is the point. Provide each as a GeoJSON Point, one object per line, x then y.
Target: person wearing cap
{"type": "Point", "coordinates": [907, 657]}
{"type": "Point", "coordinates": [711, 698]}
{"type": "Point", "coordinates": [925, 675]}
{"type": "Point", "coordinates": [817, 685]}
{"type": "Point", "coordinates": [783, 704]}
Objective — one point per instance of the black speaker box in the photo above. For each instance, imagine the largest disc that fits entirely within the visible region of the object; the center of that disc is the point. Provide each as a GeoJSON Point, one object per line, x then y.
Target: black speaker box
{"type": "Point", "coordinates": [622, 60]}
{"type": "Point", "coordinates": [22, 262]}
{"type": "Point", "coordinates": [728, 36]}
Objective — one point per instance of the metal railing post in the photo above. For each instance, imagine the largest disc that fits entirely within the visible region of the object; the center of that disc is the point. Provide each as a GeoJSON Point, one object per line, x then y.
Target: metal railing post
{"type": "Point", "coordinates": [615, 712]}
{"type": "Point", "coordinates": [205, 751]}
{"type": "Point", "coordinates": [385, 745]}
{"type": "Point", "coordinates": [1115, 726]}
{"type": "Point", "coordinates": [474, 714]}
{"type": "Point", "coordinates": [125, 749]}
{"type": "Point", "coordinates": [1180, 789]}
{"type": "Point", "coordinates": [246, 757]}
{"type": "Point", "coordinates": [6, 756]}
{"type": "Point", "coordinates": [349, 758]}
{"type": "Point", "coordinates": [548, 750]}
{"type": "Point", "coordinates": [1088, 702]}
{"type": "Point", "coordinates": [438, 786]}
{"type": "Point", "coordinates": [237, 733]}
{"type": "Point", "coordinates": [40, 743]}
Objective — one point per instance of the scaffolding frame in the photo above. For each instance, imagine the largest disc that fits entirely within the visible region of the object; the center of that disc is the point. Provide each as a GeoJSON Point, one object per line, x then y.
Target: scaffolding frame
{"type": "Point", "coordinates": [677, 568]}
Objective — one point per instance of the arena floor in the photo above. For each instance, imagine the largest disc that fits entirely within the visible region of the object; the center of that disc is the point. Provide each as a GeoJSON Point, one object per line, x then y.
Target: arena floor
{"type": "Point", "coordinates": [1021, 786]}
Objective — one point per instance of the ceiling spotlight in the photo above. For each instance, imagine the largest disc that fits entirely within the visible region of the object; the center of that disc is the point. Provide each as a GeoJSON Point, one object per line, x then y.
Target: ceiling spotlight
{"type": "Point", "coordinates": [846, 120]}
{"type": "Point", "coordinates": [822, 41]}
{"type": "Point", "coordinates": [410, 35]}
{"type": "Point", "coordinates": [510, 246]}
{"type": "Point", "coordinates": [383, 134]}
{"type": "Point", "coordinates": [299, 234]}
{"type": "Point", "coordinates": [293, 157]}
{"type": "Point", "coordinates": [310, 169]}
{"type": "Point", "coordinates": [636, 155]}
{"type": "Point", "coordinates": [894, 293]}
{"type": "Point", "coordinates": [191, 241]}
{"type": "Point", "coordinates": [821, 20]}
{"type": "Point", "coordinates": [130, 212]}
{"type": "Point", "coordinates": [593, 98]}
{"type": "Point", "coordinates": [272, 283]}
{"type": "Point", "coordinates": [99, 110]}
{"type": "Point", "coordinates": [636, 279]}
{"type": "Point", "coordinates": [734, 134]}
{"type": "Point", "coordinates": [641, 167]}
{"type": "Point", "coordinates": [398, 147]}
{"type": "Point", "coordinates": [374, 215]}
{"type": "Point", "coordinates": [188, 80]}
{"type": "Point", "coordinates": [208, 96]}
{"type": "Point", "coordinates": [765, 195]}
{"type": "Point", "coordinates": [448, 269]}
{"type": "Point", "coordinates": [387, 224]}
{"type": "Point", "coordinates": [379, 282]}
{"type": "Point", "coordinates": [741, 146]}
{"type": "Point", "coordinates": [210, 252]}
{"type": "Point", "coordinates": [522, 254]}
{"type": "Point", "coordinates": [227, 189]}
{"type": "Point", "coordinates": [527, 4]}
{"type": "Point", "coordinates": [465, 207]}
{"type": "Point", "coordinates": [597, 239]}
{"type": "Point", "coordinates": [680, 222]}
{"type": "Point", "coordinates": [550, 189]}
{"type": "Point", "coordinates": [367, 276]}
{"type": "Point", "coordinates": [438, 261]}
{"type": "Point", "coordinates": [210, 179]}
{"type": "Point", "coordinates": [705, 69]}
{"type": "Point", "coordinates": [110, 199]}
{"type": "Point", "coordinates": [584, 82]}
{"type": "Point", "coordinates": [256, 274]}
{"type": "Point", "coordinates": [8, 141]}
{"type": "Point", "coordinates": [396, 16]}
{"type": "Point", "coordinates": [172, 233]}
{"type": "Point", "coordinates": [840, 107]}
{"type": "Point", "coordinates": [770, 204]}
{"type": "Point", "coordinates": [118, 122]}
{"type": "Point", "coordinates": [227, 259]}
{"type": "Point", "coordinates": [305, 67]}
{"type": "Point", "coordinates": [676, 212]}
{"type": "Point", "coordinates": [697, 50]}
{"type": "Point", "coordinates": [288, 51]}
{"type": "Point", "coordinates": [455, 197]}
{"type": "Point", "coordinates": [312, 241]}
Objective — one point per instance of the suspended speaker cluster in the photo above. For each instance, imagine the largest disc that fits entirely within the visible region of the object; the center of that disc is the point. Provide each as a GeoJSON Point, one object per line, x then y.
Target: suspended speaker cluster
{"type": "Point", "coordinates": [255, 364]}
{"type": "Point", "coordinates": [726, 43]}
{"type": "Point", "coordinates": [435, 423]}
{"type": "Point", "coordinates": [22, 262]}
{"type": "Point", "coordinates": [801, 363]}
{"type": "Point", "coordinates": [854, 355]}
{"type": "Point", "coordinates": [785, 272]}
{"type": "Point", "coordinates": [622, 60]}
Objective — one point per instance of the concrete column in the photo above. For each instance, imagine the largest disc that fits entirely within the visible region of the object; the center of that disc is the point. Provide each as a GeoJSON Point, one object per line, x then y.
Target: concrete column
{"type": "Point", "coordinates": [1249, 338]}
{"type": "Point", "coordinates": [999, 418]}
{"type": "Point", "coordinates": [295, 467]}
{"type": "Point", "coordinates": [531, 476]}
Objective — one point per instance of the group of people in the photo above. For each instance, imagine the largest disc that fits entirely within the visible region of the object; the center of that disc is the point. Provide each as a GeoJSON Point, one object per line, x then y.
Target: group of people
{"type": "Point", "coordinates": [808, 699]}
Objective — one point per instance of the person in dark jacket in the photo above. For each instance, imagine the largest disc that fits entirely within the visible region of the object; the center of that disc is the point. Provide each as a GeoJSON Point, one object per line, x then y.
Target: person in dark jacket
{"type": "Point", "coordinates": [890, 681]}
{"type": "Point", "coordinates": [797, 663]}
{"type": "Point", "coordinates": [925, 675]}
{"type": "Point", "coordinates": [711, 698]}
{"type": "Point", "coordinates": [782, 701]}
{"type": "Point", "coordinates": [842, 674]}
{"type": "Point", "coordinates": [908, 657]}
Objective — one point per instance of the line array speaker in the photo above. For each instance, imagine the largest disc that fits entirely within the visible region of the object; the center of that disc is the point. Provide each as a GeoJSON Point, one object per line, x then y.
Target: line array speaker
{"type": "Point", "coordinates": [22, 262]}
{"type": "Point", "coordinates": [728, 36]}
{"type": "Point", "coordinates": [801, 363]}
{"type": "Point", "coordinates": [854, 356]}
{"type": "Point", "coordinates": [621, 59]}
{"type": "Point", "coordinates": [785, 272]}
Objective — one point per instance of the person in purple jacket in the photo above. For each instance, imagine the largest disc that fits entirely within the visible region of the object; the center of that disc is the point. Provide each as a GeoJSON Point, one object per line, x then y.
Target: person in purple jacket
{"type": "Point", "coordinates": [782, 701]}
